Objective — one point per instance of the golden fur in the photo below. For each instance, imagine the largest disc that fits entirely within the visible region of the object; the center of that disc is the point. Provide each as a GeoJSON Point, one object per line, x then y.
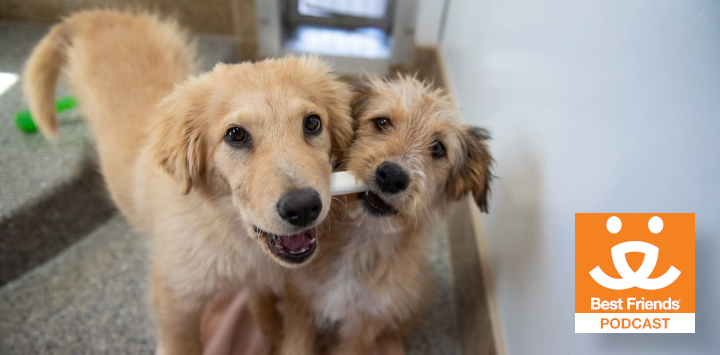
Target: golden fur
{"type": "Point", "coordinates": [369, 280]}
{"type": "Point", "coordinates": [167, 166]}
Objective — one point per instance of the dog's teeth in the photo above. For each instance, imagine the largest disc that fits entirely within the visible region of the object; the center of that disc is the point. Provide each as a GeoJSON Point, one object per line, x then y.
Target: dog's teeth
{"type": "Point", "coordinates": [299, 251]}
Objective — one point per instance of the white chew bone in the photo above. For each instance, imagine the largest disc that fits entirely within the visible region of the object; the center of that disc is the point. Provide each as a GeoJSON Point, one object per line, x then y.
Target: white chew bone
{"type": "Point", "coordinates": [344, 182]}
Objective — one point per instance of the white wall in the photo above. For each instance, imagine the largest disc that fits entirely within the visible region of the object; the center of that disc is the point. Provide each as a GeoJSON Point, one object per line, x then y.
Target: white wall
{"type": "Point", "coordinates": [595, 106]}
{"type": "Point", "coordinates": [427, 30]}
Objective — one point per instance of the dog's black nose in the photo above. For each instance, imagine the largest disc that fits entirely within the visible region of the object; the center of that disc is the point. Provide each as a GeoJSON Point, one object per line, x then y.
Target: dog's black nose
{"type": "Point", "coordinates": [300, 207]}
{"type": "Point", "coordinates": [391, 178]}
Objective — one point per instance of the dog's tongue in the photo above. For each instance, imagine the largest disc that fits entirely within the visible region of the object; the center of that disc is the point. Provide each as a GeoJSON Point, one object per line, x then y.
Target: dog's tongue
{"type": "Point", "coordinates": [296, 242]}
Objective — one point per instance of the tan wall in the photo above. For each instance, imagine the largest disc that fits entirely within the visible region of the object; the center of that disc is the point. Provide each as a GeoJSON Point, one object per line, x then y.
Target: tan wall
{"type": "Point", "coordinates": [209, 16]}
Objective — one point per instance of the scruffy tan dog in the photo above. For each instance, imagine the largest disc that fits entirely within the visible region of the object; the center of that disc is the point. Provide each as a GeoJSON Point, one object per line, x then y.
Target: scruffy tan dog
{"type": "Point", "coordinates": [228, 171]}
{"type": "Point", "coordinates": [368, 282]}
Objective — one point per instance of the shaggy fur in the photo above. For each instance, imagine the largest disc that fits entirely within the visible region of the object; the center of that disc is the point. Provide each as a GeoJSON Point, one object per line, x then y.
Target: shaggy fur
{"type": "Point", "coordinates": [370, 279]}
{"type": "Point", "coordinates": [166, 162]}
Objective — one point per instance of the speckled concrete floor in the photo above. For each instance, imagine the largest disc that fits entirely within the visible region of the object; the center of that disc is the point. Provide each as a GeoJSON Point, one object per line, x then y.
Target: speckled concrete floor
{"type": "Point", "coordinates": [91, 299]}
{"type": "Point", "coordinates": [436, 329]}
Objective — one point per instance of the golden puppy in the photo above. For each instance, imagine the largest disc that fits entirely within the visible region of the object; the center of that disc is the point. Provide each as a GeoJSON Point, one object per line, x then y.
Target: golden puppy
{"type": "Point", "coordinates": [228, 171]}
{"type": "Point", "coordinates": [368, 282]}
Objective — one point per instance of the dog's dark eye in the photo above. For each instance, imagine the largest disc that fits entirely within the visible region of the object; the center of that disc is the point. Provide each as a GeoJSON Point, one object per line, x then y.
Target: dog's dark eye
{"type": "Point", "coordinates": [437, 149]}
{"type": "Point", "coordinates": [237, 136]}
{"type": "Point", "coordinates": [382, 123]}
{"type": "Point", "coordinates": [312, 124]}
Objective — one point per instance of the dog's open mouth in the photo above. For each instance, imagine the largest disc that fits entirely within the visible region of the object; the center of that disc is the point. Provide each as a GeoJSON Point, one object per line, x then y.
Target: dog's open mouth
{"type": "Point", "coordinates": [293, 248]}
{"type": "Point", "coordinates": [376, 205]}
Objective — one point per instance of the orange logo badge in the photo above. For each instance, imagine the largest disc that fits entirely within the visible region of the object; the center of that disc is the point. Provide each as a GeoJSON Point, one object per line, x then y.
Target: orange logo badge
{"type": "Point", "coordinates": [634, 273]}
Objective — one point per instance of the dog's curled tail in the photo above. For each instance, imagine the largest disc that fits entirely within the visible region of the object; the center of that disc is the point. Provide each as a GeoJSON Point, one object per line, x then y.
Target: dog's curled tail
{"type": "Point", "coordinates": [40, 78]}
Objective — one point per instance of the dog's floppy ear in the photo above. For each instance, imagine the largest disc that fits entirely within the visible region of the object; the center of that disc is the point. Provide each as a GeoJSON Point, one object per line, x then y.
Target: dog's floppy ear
{"type": "Point", "coordinates": [177, 144]}
{"type": "Point", "coordinates": [362, 89]}
{"type": "Point", "coordinates": [341, 122]}
{"type": "Point", "coordinates": [358, 92]}
{"type": "Point", "coordinates": [473, 173]}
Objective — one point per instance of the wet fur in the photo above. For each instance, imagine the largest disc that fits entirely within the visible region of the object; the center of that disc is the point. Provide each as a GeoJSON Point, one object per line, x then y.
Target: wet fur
{"type": "Point", "coordinates": [370, 280]}
{"type": "Point", "coordinates": [161, 144]}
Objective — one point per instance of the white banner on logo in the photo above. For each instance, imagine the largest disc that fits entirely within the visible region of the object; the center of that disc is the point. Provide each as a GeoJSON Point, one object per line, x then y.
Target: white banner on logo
{"type": "Point", "coordinates": [634, 322]}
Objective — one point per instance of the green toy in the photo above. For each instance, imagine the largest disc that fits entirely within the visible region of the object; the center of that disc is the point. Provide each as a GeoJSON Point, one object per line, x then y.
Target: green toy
{"type": "Point", "coordinates": [24, 120]}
